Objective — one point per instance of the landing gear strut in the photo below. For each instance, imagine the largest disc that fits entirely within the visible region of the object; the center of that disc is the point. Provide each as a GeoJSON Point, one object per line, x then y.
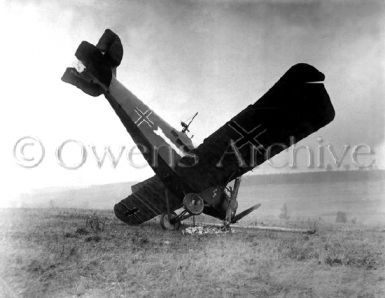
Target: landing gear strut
{"type": "Point", "coordinates": [167, 221]}
{"type": "Point", "coordinates": [171, 221]}
{"type": "Point", "coordinates": [232, 204]}
{"type": "Point", "coordinates": [193, 204]}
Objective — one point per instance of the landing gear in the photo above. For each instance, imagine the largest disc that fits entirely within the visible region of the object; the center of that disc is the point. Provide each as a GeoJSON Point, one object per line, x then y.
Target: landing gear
{"type": "Point", "coordinates": [232, 204]}
{"type": "Point", "coordinates": [169, 222]}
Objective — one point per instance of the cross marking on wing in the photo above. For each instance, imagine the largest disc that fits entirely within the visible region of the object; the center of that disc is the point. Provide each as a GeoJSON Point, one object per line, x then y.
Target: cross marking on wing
{"type": "Point", "coordinates": [247, 137]}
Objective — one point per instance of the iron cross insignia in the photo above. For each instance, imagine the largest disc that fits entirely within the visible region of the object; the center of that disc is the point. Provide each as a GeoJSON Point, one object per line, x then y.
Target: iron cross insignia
{"type": "Point", "coordinates": [247, 137]}
{"type": "Point", "coordinates": [143, 117]}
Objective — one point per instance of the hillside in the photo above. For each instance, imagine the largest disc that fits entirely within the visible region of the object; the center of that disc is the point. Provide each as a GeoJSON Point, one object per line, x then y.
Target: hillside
{"type": "Point", "coordinates": [314, 194]}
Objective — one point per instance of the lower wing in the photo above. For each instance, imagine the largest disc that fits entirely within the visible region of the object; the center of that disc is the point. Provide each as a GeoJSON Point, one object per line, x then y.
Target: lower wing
{"type": "Point", "coordinates": [147, 200]}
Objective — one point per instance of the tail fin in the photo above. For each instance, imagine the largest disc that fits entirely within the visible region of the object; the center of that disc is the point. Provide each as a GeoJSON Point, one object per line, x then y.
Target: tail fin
{"type": "Point", "coordinates": [111, 46]}
{"type": "Point", "coordinates": [100, 63]}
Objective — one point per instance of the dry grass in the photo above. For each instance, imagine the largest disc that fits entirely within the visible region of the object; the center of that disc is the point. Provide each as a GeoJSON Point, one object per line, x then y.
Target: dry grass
{"type": "Point", "coordinates": [61, 253]}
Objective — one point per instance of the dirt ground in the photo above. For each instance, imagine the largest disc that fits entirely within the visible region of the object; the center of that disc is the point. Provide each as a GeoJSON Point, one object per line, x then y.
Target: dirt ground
{"type": "Point", "coordinates": [72, 252]}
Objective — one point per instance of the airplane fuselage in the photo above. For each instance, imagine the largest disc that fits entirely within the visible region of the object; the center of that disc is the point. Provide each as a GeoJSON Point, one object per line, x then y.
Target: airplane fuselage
{"type": "Point", "coordinates": [196, 178]}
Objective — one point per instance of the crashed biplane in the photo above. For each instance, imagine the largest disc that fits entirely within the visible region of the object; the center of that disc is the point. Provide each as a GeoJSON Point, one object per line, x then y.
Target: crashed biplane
{"type": "Point", "coordinates": [198, 179]}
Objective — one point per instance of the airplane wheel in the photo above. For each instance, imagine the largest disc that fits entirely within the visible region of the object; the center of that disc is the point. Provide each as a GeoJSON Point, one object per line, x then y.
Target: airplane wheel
{"type": "Point", "coordinates": [193, 203]}
{"type": "Point", "coordinates": [166, 224]}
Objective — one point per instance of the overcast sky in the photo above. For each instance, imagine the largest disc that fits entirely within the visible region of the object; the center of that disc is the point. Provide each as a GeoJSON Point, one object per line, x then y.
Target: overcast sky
{"type": "Point", "coordinates": [182, 57]}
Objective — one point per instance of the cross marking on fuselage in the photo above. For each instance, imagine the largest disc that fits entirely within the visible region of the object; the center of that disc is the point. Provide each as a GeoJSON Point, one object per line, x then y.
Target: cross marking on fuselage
{"type": "Point", "coordinates": [143, 117]}
{"type": "Point", "coordinates": [247, 137]}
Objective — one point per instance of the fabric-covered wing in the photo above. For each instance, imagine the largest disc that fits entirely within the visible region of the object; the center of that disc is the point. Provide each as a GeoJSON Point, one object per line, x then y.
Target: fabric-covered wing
{"type": "Point", "coordinates": [146, 201]}
{"type": "Point", "coordinates": [296, 106]}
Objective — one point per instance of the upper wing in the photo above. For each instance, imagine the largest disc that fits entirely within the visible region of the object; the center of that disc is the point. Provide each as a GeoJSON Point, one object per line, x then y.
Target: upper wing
{"type": "Point", "coordinates": [296, 106]}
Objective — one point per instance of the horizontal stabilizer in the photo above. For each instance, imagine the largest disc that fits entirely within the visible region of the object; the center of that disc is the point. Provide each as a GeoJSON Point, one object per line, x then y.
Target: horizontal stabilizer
{"type": "Point", "coordinates": [71, 76]}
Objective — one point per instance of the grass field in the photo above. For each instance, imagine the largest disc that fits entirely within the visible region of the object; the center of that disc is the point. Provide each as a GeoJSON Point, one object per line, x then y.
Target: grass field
{"type": "Point", "coordinates": [68, 252]}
